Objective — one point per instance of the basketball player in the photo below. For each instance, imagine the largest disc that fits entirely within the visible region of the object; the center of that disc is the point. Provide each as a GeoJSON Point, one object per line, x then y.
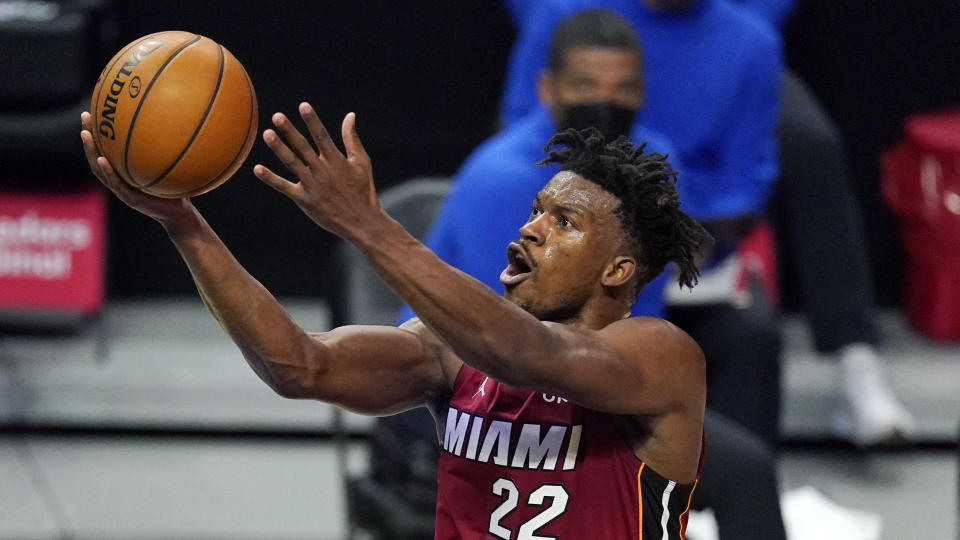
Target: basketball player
{"type": "Point", "coordinates": [559, 416]}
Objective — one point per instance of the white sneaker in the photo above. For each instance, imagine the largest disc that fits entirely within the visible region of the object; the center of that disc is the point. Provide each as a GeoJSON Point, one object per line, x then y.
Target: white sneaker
{"type": "Point", "coordinates": [702, 525]}
{"type": "Point", "coordinates": [874, 415]}
{"type": "Point", "coordinates": [810, 515]}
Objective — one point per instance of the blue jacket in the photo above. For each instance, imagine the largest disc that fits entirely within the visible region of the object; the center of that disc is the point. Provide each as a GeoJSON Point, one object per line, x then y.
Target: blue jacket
{"type": "Point", "coordinates": [775, 12]}
{"type": "Point", "coordinates": [491, 197]}
{"type": "Point", "coordinates": [712, 78]}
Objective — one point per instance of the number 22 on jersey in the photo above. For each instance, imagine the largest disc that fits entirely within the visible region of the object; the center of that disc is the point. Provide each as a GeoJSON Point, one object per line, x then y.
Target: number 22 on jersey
{"type": "Point", "coordinates": [508, 491]}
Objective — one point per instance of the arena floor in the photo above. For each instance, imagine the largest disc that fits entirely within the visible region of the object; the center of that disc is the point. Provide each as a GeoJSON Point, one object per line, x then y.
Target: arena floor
{"type": "Point", "coordinates": [150, 425]}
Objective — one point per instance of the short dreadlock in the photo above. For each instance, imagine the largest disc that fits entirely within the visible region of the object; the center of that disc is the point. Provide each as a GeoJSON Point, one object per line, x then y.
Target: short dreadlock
{"type": "Point", "coordinates": [649, 212]}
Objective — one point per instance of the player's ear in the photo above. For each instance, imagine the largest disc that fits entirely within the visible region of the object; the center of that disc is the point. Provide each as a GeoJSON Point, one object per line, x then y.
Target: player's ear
{"type": "Point", "coordinates": [619, 271]}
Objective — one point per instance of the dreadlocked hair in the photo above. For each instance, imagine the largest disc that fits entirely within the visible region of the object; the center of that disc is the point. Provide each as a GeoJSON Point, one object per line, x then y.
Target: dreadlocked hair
{"type": "Point", "coordinates": [658, 231]}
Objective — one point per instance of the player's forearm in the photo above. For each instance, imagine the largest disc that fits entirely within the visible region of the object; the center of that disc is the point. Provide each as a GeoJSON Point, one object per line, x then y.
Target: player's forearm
{"type": "Point", "coordinates": [485, 330]}
{"type": "Point", "coordinates": [272, 343]}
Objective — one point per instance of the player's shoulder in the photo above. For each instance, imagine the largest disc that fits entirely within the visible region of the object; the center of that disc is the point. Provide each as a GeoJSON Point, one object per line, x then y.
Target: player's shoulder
{"type": "Point", "coordinates": [646, 336]}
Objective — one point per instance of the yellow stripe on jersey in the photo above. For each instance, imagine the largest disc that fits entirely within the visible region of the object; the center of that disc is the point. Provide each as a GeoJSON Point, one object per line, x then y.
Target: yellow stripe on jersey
{"type": "Point", "coordinates": [640, 498]}
{"type": "Point", "coordinates": [689, 499]}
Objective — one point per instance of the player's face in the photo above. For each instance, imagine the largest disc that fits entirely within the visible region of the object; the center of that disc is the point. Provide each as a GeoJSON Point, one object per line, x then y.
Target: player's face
{"type": "Point", "coordinates": [592, 75]}
{"type": "Point", "coordinates": [564, 247]}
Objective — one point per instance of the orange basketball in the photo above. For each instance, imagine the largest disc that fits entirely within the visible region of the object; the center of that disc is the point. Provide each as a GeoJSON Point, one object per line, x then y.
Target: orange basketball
{"type": "Point", "coordinates": [175, 113]}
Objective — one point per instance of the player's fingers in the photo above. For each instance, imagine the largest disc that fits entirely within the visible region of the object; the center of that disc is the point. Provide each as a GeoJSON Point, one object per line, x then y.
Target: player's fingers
{"type": "Point", "coordinates": [85, 122]}
{"type": "Point", "coordinates": [351, 140]}
{"type": "Point", "coordinates": [293, 163]}
{"type": "Point", "coordinates": [276, 181]}
{"type": "Point", "coordinates": [100, 166]}
{"type": "Point", "coordinates": [297, 142]}
{"type": "Point", "coordinates": [90, 151]}
{"type": "Point", "coordinates": [110, 179]}
{"type": "Point", "coordinates": [318, 132]}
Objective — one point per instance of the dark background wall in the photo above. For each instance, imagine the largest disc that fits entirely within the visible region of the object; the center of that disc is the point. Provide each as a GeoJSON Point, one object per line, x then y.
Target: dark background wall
{"type": "Point", "coordinates": [425, 77]}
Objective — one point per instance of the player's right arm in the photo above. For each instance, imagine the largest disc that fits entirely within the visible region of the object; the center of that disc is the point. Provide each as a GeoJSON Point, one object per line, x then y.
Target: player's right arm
{"type": "Point", "coordinates": [374, 370]}
{"type": "Point", "coordinates": [368, 369]}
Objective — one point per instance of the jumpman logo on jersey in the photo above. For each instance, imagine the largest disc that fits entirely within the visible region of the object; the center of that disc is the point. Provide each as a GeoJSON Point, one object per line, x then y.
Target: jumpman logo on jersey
{"type": "Point", "coordinates": [481, 390]}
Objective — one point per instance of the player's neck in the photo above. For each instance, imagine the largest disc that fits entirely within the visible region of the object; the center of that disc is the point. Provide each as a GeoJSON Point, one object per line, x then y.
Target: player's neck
{"type": "Point", "coordinates": [599, 312]}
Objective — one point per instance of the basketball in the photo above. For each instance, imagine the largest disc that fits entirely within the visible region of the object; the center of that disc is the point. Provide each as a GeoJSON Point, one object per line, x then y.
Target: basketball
{"type": "Point", "coordinates": [175, 114]}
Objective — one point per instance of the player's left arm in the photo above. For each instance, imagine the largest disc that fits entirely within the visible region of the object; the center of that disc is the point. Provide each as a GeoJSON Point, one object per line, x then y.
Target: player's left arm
{"type": "Point", "coordinates": [625, 368]}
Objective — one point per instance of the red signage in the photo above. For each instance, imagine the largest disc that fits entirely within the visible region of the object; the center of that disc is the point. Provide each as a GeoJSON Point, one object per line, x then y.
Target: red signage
{"type": "Point", "coordinates": [52, 251]}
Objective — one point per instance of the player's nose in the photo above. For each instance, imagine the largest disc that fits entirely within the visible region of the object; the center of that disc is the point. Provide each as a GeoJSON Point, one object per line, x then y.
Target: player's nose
{"type": "Point", "coordinates": [533, 230]}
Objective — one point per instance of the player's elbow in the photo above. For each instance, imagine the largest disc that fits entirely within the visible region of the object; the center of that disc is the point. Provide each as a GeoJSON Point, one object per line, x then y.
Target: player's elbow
{"type": "Point", "coordinates": [288, 390]}
{"type": "Point", "coordinates": [295, 374]}
{"type": "Point", "coordinates": [294, 383]}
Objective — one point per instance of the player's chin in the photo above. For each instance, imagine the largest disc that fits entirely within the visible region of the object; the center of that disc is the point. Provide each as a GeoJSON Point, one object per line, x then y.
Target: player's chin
{"type": "Point", "coordinates": [514, 291]}
{"type": "Point", "coordinates": [522, 301]}
{"type": "Point", "coordinates": [511, 293]}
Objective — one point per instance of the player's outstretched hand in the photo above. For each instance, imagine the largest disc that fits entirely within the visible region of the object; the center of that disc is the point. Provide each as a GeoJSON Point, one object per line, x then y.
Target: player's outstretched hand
{"type": "Point", "coordinates": [162, 210]}
{"type": "Point", "coordinates": [335, 190]}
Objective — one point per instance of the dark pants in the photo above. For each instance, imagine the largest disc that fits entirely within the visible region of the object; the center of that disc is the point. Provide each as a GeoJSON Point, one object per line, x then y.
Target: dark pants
{"type": "Point", "coordinates": [739, 483]}
{"type": "Point", "coordinates": [820, 224]}
{"type": "Point", "coordinates": [742, 348]}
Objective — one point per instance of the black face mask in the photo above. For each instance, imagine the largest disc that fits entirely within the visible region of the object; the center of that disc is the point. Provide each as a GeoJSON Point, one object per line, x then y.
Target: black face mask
{"type": "Point", "coordinates": [612, 120]}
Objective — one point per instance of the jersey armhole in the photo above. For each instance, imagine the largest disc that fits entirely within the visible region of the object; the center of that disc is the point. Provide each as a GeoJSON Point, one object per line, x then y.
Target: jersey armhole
{"type": "Point", "coordinates": [624, 441]}
{"type": "Point", "coordinates": [458, 380]}
{"type": "Point", "coordinates": [439, 405]}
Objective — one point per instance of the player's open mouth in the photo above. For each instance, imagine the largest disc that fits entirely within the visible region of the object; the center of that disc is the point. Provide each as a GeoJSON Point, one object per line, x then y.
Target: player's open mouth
{"type": "Point", "coordinates": [519, 265]}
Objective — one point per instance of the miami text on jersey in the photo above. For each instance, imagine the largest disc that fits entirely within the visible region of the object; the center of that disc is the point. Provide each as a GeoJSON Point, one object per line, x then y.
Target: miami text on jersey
{"type": "Point", "coordinates": [537, 447]}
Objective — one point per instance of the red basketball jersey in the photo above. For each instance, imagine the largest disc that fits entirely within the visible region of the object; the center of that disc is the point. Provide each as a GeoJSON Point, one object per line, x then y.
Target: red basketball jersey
{"type": "Point", "coordinates": [523, 465]}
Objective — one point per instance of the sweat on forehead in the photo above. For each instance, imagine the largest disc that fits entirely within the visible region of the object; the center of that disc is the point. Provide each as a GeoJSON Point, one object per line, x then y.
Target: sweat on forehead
{"type": "Point", "coordinates": [571, 189]}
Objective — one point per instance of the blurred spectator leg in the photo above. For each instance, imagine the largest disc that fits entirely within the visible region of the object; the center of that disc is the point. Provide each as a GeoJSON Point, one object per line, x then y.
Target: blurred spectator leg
{"type": "Point", "coordinates": [819, 214]}
{"type": "Point", "coordinates": [823, 223]}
